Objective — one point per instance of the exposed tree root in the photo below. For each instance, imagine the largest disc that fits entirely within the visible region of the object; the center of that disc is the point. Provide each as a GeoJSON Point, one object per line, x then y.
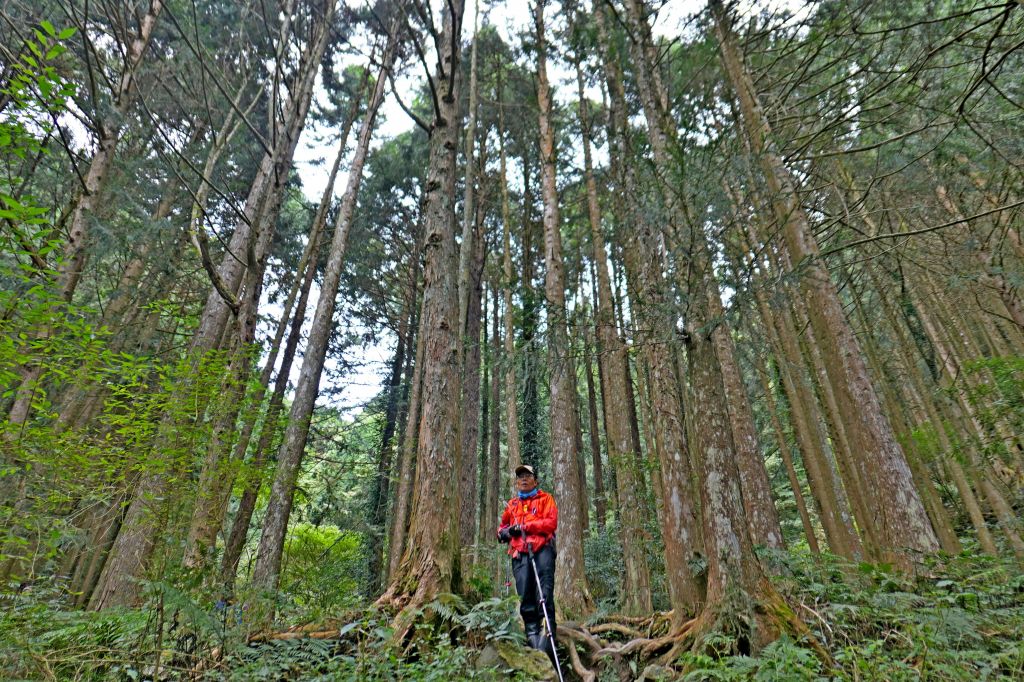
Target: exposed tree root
{"type": "Point", "coordinates": [408, 596]}
{"type": "Point", "coordinates": [577, 633]}
{"type": "Point", "coordinates": [585, 673]}
{"type": "Point", "coordinates": [741, 623]}
{"type": "Point", "coordinates": [616, 627]}
{"type": "Point", "coordinates": [316, 634]}
{"type": "Point", "coordinates": [680, 640]}
{"type": "Point", "coordinates": [787, 621]}
{"type": "Point", "coordinates": [744, 624]}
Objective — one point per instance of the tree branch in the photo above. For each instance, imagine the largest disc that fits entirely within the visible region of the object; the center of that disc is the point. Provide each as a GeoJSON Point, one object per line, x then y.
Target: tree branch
{"type": "Point", "coordinates": [923, 230]}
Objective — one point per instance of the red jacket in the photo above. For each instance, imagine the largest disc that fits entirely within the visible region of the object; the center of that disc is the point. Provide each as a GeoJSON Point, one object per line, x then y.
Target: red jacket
{"type": "Point", "coordinates": [537, 515]}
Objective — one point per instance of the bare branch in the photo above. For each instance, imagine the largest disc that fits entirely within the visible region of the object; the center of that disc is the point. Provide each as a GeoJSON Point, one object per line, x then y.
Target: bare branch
{"type": "Point", "coordinates": [923, 230]}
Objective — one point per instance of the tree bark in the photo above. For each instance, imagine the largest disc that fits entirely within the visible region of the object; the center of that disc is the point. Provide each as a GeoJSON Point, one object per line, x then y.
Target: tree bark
{"type": "Point", "coordinates": [757, 490]}
{"type": "Point", "coordinates": [903, 527]}
{"type": "Point", "coordinates": [680, 521]}
{"type": "Point", "coordinates": [573, 594]}
{"type": "Point", "coordinates": [133, 548]}
{"type": "Point", "coordinates": [430, 562]}
{"type": "Point", "coordinates": [622, 451]}
{"type": "Point", "coordinates": [289, 456]}
{"type": "Point", "coordinates": [511, 392]}
{"type": "Point", "coordinates": [468, 470]}
{"type": "Point", "coordinates": [894, 406]}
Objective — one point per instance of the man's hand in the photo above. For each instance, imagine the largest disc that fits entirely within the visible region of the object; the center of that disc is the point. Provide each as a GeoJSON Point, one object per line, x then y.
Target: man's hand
{"type": "Point", "coordinates": [504, 535]}
{"type": "Point", "coordinates": [516, 530]}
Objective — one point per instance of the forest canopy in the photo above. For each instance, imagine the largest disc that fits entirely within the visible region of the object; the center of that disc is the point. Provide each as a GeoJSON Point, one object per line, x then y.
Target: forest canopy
{"type": "Point", "coordinates": [289, 288]}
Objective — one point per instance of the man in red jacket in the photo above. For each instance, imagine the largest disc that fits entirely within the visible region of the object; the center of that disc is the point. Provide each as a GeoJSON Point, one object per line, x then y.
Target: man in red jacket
{"type": "Point", "coordinates": [531, 517]}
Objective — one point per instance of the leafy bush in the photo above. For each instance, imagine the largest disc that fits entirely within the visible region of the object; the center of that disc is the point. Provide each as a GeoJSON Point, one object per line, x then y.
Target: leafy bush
{"type": "Point", "coordinates": [959, 619]}
{"type": "Point", "coordinates": [781, 661]}
{"type": "Point", "coordinates": [41, 640]}
{"type": "Point", "coordinates": [320, 570]}
{"type": "Point", "coordinates": [363, 650]}
{"type": "Point", "coordinates": [602, 554]}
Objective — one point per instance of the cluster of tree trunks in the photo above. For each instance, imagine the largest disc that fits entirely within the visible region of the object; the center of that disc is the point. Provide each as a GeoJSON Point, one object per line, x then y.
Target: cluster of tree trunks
{"type": "Point", "coordinates": [718, 334]}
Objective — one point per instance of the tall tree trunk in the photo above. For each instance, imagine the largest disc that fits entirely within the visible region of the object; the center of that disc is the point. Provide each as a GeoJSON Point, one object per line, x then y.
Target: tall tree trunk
{"type": "Point", "coordinates": [381, 485]}
{"type": "Point", "coordinates": [469, 218]}
{"type": "Point", "coordinates": [931, 416]}
{"type": "Point", "coordinates": [787, 459]}
{"type": "Point", "coordinates": [430, 562]}
{"type": "Point", "coordinates": [289, 456]}
{"type": "Point", "coordinates": [573, 595]}
{"type": "Point", "coordinates": [530, 415]}
{"type": "Point", "coordinates": [732, 569]}
{"type": "Point", "coordinates": [895, 406]}
{"type": "Point", "coordinates": [271, 422]}
{"type": "Point", "coordinates": [72, 263]}
{"type": "Point", "coordinates": [680, 521]}
{"type": "Point", "coordinates": [851, 469]}
{"type": "Point", "coordinates": [133, 548]}
{"type": "Point", "coordinates": [903, 526]}
{"type": "Point", "coordinates": [1008, 520]}
{"type": "Point", "coordinates": [481, 518]}
{"type": "Point", "coordinates": [622, 450]}
{"type": "Point", "coordinates": [600, 503]}
{"type": "Point", "coordinates": [826, 488]}
{"type": "Point", "coordinates": [468, 470]}
{"type": "Point", "coordinates": [471, 254]}
{"type": "Point", "coordinates": [213, 497]}
{"type": "Point", "coordinates": [511, 393]}
{"type": "Point", "coordinates": [492, 474]}
{"type": "Point", "coordinates": [757, 490]}
{"type": "Point", "coordinates": [408, 416]}
{"type": "Point", "coordinates": [218, 470]}
{"type": "Point", "coordinates": [399, 521]}
{"type": "Point", "coordinates": [734, 578]}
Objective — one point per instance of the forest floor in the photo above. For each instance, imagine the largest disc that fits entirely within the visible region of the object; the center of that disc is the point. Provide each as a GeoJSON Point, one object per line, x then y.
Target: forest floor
{"type": "Point", "coordinates": [959, 618]}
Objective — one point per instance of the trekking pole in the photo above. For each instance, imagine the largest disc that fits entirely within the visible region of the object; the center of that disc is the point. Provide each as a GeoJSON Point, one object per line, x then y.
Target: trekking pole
{"type": "Point", "coordinates": [544, 610]}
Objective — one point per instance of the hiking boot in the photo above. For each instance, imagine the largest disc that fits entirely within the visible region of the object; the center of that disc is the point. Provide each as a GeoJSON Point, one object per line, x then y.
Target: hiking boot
{"type": "Point", "coordinates": [534, 636]}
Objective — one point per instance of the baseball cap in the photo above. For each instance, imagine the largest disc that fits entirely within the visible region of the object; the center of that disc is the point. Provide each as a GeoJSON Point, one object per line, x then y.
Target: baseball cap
{"type": "Point", "coordinates": [526, 469]}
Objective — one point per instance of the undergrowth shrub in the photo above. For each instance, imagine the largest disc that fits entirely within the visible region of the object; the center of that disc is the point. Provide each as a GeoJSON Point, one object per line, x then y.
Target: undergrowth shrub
{"type": "Point", "coordinates": [41, 640]}
{"type": "Point", "coordinates": [959, 618]}
{"type": "Point", "coordinates": [321, 570]}
{"type": "Point", "coordinates": [444, 647]}
{"type": "Point", "coordinates": [602, 554]}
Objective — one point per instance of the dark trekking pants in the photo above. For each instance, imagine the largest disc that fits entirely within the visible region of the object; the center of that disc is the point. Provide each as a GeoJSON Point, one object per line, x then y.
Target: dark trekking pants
{"type": "Point", "coordinates": [526, 586]}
